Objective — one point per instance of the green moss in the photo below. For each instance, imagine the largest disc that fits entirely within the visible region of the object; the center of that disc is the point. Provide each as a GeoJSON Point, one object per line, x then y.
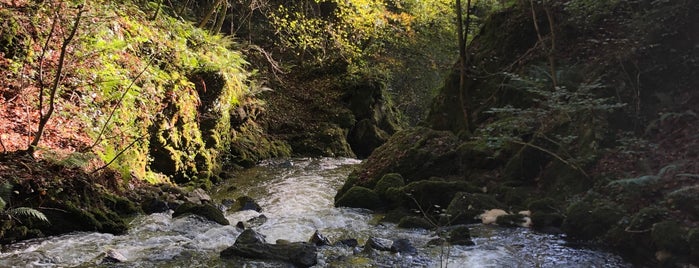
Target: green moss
{"type": "Point", "coordinates": [388, 181]}
{"type": "Point", "coordinates": [359, 197]}
{"type": "Point", "coordinates": [669, 235]}
{"type": "Point", "coordinates": [415, 222]}
{"type": "Point", "coordinates": [693, 239]}
{"type": "Point", "coordinates": [543, 205]}
{"type": "Point", "coordinates": [687, 200]}
{"type": "Point", "coordinates": [14, 42]}
{"type": "Point", "coordinates": [546, 219]}
{"type": "Point", "coordinates": [587, 219]}
{"type": "Point", "coordinates": [644, 219]}
{"type": "Point", "coordinates": [436, 192]}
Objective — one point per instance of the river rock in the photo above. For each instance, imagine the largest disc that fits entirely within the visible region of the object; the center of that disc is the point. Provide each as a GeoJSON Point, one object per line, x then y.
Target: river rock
{"type": "Point", "coordinates": [113, 256]}
{"type": "Point", "coordinates": [359, 197]}
{"type": "Point", "coordinates": [460, 235]}
{"type": "Point", "coordinates": [245, 203]}
{"type": "Point", "coordinates": [154, 205]}
{"type": "Point", "coordinates": [198, 196]}
{"type": "Point", "coordinates": [251, 244]}
{"type": "Point", "coordinates": [379, 244]}
{"type": "Point", "coordinates": [319, 239]}
{"type": "Point", "coordinates": [403, 246]}
{"type": "Point", "coordinates": [206, 211]}
{"type": "Point", "coordinates": [351, 242]}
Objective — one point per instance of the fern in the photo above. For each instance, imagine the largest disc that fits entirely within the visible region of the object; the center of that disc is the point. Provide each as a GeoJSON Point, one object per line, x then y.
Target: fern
{"type": "Point", "coordinates": [25, 212]}
{"type": "Point", "coordinates": [2, 204]}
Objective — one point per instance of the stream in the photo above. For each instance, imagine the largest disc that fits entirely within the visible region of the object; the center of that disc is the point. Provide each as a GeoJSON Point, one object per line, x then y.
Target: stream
{"type": "Point", "coordinates": [296, 195]}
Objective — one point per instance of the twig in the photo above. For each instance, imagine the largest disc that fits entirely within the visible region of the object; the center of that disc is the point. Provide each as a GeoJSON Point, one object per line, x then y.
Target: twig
{"type": "Point", "coordinates": [552, 154]}
{"type": "Point", "coordinates": [119, 154]}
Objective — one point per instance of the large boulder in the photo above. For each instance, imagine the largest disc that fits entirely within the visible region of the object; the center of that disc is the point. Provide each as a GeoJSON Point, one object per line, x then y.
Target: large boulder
{"type": "Point", "coordinates": [251, 244]}
{"type": "Point", "coordinates": [416, 154]}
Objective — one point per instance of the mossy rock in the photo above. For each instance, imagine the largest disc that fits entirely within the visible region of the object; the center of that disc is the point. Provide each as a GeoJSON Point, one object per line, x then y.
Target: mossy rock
{"type": "Point", "coordinates": [120, 205]}
{"type": "Point", "coordinates": [359, 197]}
{"type": "Point", "coordinates": [687, 200]}
{"type": "Point", "coordinates": [542, 205]}
{"type": "Point", "coordinates": [460, 235]}
{"type": "Point", "coordinates": [396, 198]}
{"type": "Point", "coordinates": [464, 207]}
{"type": "Point", "coordinates": [436, 193]}
{"type": "Point", "coordinates": [245, 203]}
{"type": "Point", "coordinates": [207, 211]}
{"type": "Point", "coordinates": [415, 153]}
{"type": "Point", "coordinates": [66, 217]}
{"type": "Point", "coordinates": [388, 181]}
{"type": "Point", "coordinates": [669, 235]}
{"type": "Point", "coordinates": [415, 222]}
{"type": "Point", "coordinates": [476, 155]}
{"type": "Point", "coordinates": [587, 219]}
{"type": "Point", "coordinates": [510, 220]}
{"type": "Point", "coordinates": [693, 239]}
{"type": "Point", "coordinates": [543, 220]}
{"type": "Point", "coordinates": [644, 219]}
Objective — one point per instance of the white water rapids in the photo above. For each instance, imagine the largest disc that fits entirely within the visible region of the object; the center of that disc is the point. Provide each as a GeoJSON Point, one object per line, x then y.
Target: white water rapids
{"type": "Point", "coordinates": [296, 195]}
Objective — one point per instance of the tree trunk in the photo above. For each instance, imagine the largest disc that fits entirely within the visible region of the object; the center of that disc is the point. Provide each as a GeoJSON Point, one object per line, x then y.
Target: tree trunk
{"type": "Point", "coordinates": [209, 13]}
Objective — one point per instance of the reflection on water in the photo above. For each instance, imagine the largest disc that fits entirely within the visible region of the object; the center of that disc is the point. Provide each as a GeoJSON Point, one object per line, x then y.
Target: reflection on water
{"type": "Point", "coordinates": [296, 196]}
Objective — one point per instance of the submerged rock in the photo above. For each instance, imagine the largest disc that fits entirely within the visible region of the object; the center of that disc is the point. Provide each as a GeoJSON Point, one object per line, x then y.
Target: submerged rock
{"type": "Point", "coordinates": [251, 244]}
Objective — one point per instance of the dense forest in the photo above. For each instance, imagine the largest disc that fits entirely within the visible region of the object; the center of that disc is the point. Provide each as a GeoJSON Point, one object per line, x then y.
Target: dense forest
{"type": "Point", "coordinates": [581, 114]}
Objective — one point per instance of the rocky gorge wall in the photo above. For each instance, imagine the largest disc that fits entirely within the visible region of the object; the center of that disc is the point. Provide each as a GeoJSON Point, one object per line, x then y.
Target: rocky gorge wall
{"type": "Point", "coordinates": [607, 155]}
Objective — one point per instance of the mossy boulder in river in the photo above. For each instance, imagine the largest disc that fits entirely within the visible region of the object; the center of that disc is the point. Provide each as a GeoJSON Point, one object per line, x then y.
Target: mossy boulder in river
{"type": "Point", "coordinates": [390, 180]}
{"type": "Point", "coordinates": [588, 219]}
{"type": "Point", "coordinates": [435, 193]}
{"type": "Point", "coordinates": [416, 154]}
{"type": "Point", "coordinates": [359, 197]}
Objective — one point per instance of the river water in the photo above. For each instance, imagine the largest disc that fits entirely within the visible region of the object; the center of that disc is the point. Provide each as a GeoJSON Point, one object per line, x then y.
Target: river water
{"type": "Point", "coordinates": [296, 195]}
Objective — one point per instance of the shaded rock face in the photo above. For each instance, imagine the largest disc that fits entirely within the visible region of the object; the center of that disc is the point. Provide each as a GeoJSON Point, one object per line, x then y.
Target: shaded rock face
{"type": "Point", "coordinates": [251, 244]}
{"type": "Point", "coordinates": [376, 119]}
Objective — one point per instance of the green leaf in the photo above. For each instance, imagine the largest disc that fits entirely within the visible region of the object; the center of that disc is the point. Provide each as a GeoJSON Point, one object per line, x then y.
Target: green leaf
{"type": "Point", "coordinates": [25, 212]}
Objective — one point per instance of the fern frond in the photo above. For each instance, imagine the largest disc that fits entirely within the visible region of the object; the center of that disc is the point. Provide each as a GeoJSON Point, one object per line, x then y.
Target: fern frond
{"type": "Point", "coordinates": [2, 204]}
{"type": "Point", "coordinates": [25, 212]}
